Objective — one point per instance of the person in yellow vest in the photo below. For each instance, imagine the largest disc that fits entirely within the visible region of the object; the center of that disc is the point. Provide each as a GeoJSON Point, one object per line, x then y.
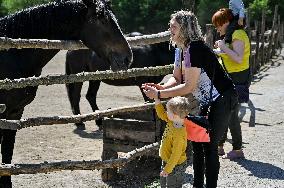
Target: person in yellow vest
{"type": "Point", "coordinates": [174, 142]}
{"type": "Point", "coordinates": [235, 60]}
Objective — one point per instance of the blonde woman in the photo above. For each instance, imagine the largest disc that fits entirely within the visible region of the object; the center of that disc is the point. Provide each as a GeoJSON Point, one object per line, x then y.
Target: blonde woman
{"type": "Point", "coordinates": [201, 66]}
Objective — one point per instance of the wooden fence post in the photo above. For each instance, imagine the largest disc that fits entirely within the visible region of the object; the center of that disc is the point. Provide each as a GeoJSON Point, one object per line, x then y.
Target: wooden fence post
{"type": "Point", "coordinates": [248, 29]}
{"type": "Point", "coordinates": [209, 35]}
{"type": "Point", "coordinates": [256, 62]}
{"type": "Point", "coordinates": [282, 32]}
{"type": "Point", "coordinates": [277, 40]}
{"type": "Point", "coordinates": [189, 5]}
{"type": "Point", "coordinates": [269, 50]}
{"type": "Point", "coordinates": [248, 23]}
{"type": "Point", "coordinates": [262, 36]}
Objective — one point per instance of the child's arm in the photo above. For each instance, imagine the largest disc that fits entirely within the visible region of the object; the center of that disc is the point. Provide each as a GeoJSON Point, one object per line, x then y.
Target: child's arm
{"type": "Point", "coordinates": [160, 110]}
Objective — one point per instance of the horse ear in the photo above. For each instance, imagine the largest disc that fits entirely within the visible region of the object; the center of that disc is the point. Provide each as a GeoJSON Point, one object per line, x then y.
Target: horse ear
{"type": "Point", "coordinates": [88, 3]}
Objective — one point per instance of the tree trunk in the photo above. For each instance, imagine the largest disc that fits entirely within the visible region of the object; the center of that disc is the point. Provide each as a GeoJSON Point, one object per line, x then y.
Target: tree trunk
{"type": "Point", "coordinates": [189, 5]}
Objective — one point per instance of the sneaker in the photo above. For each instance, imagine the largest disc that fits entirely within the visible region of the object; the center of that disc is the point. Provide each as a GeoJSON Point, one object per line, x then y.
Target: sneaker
{"type": "Point", "coordinates": [235, 154]}
{"type": "Point", "coordinates": [221, 151]}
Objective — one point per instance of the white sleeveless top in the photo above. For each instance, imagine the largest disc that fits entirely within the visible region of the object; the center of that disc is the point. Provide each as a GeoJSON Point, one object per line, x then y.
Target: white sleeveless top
{"type": "Point", "coordinates": [202, 91]}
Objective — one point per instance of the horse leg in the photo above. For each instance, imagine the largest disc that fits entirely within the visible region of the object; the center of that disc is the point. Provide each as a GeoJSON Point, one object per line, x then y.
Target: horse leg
{"type": "Point", "coordinates": [7, 146]}
{"type": "Point", "coordinates": [92, 98]}
{"type": "Point", "coordinates": [74, 95]}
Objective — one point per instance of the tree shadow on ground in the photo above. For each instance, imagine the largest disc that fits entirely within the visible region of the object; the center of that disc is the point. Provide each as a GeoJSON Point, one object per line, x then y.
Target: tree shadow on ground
{"type": "Point", "coordinates": [262, 170]}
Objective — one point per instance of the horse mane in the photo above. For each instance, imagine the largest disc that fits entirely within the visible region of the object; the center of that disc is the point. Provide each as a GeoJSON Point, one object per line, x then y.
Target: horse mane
{"type": "Point", "coordinates": [51, 20]}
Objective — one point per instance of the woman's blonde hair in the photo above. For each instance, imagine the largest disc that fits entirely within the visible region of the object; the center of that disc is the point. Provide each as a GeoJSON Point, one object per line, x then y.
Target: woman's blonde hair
{"type": "Point", "coordinates": [179, 106]}
{"type": "Point", "coordinates": [189, 27]}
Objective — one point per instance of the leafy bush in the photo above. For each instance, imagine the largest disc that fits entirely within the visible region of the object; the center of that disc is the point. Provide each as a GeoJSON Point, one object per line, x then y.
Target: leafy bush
{"type": "Point", "coordinates": [256, 8]}
{"type": "Point", "coordinates": [15, 5]}
{"type": "Point", "coordinates": [146, 16]}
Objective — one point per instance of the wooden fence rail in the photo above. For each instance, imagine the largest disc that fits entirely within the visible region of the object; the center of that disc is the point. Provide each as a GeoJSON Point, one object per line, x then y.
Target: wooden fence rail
{"type": "Point", "coordinates": [30, 122]}
{"type": "Point", "coordinates": [8, 84]}
{"type": "Point", "coordinates": [7, 43]}
{"type": "Point", "coordinates": [16, 169]}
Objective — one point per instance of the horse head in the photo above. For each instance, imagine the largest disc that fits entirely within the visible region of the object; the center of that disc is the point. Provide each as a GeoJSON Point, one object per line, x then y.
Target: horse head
{"type": "Point", "coordinates": [102, 33]}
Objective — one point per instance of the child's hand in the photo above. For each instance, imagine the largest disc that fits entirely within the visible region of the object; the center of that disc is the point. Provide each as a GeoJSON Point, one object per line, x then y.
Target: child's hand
{"type": "Point", "coordinates": [164, 174]}
{"type": "Point", "coordinates": [241, 21]}
{"type": "Point", "coordinates": [150, 92]}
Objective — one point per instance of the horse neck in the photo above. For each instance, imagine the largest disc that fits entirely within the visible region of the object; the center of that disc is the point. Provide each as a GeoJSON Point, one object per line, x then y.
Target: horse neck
{"type": "Point", "coordinates": [61, 21]}
{"type": "Point", "coordinates": [166, 55]}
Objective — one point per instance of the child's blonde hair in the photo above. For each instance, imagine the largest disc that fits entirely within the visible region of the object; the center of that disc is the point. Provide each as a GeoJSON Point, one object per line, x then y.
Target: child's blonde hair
{"type": "Point", "coordinates": [179, 106]}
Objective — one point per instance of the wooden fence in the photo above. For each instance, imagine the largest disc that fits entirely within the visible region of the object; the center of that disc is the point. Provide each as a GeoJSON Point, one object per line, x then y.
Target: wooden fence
{"type": "Point", "coordinates": [264, 47]}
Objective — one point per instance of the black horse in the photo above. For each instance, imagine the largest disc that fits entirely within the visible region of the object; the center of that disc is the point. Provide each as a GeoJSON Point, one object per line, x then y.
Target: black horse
{"type": "Point", "coordinates": [87, 60]}
{"type": "Point", "coordinates": [93, 22]}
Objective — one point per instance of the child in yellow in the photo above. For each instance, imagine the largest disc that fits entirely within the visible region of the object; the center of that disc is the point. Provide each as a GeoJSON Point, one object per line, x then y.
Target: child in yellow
{"type": "Point", "coordinates": [174, 141]}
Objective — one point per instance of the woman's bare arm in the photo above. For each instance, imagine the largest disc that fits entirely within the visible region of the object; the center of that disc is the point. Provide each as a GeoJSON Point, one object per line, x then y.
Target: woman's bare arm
{"type": "Point", "coordinates": [237, 53]}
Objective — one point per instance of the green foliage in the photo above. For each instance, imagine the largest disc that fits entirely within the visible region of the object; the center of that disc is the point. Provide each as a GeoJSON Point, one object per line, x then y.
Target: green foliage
{"type": "Point", "coordinates": [256, 8]}
{"type": "Point", "coordinates": [154, 184]}
{"type": "Point", "coordinates": [146, 16]}
{"type": "Point", "coordinates": [3, 9]}
{"type": "Point", "coordinates": [207, 8]}
{"type": "Point", "coordinates": [151, 16]}
{"type": "Point", "coordinates": [280, 3]}
{"type": "Point", "coordinates": [15, 5]}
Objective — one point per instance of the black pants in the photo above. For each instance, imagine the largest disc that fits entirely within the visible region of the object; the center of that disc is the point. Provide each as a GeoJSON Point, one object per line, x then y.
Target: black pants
{"type": "Point", "coordinates": [176, 178]}
{"type": "Point", "coordinates": [241, 77]}
{"type": "Point", "coordinates": [235, 129]}
{"type": "Point", "coordinates": [205, 155]}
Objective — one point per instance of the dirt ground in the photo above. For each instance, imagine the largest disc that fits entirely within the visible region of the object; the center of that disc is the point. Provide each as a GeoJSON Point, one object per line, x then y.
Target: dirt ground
{"type": "Point", "coordinates": [64, 142]}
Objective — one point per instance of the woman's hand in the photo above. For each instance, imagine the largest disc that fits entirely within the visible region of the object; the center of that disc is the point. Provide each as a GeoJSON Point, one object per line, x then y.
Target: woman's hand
{"type": "Point", "coordinates": [157, 86]}
{"type": "Point", "coordinates": [220, 44]}
{"type": "Point", "coordinates": [150, 91]}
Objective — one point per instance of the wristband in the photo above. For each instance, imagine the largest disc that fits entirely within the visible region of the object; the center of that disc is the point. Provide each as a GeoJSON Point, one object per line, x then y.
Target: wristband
{"type": "Point", "coordinates": [159, 94]}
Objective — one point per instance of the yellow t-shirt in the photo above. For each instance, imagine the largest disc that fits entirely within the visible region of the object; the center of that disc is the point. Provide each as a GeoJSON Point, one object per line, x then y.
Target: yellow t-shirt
{"type": "Point", "coordinates": [174, 142]}
{"type": "Point", "coordinates": [230, 64]}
